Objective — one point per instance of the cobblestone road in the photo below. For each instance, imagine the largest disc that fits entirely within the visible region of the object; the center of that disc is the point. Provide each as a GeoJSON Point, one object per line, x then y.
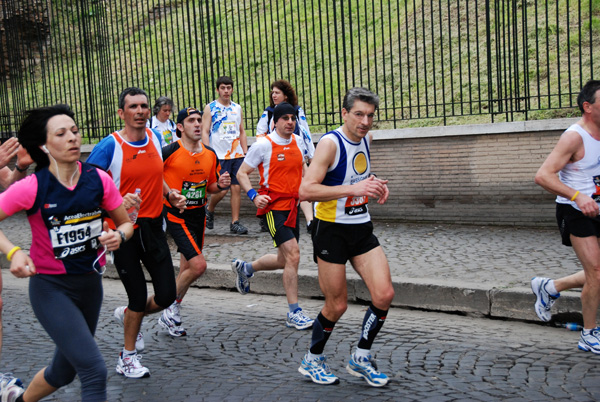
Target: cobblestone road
{"type": "Point", "coordinates": [238, 349]}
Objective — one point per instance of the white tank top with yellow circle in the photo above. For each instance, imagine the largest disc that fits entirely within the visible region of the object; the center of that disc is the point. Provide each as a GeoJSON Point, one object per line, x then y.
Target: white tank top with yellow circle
{"type": "Point", "coordinates": [352, 164]}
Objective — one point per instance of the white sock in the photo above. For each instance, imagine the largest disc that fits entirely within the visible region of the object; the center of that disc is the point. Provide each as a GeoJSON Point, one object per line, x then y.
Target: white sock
{"type": "Point", "coordinates": [550, 287]}
{"type": "Point", "coordinates": [129, 352]}
{"type": "Point", "coordinates": [311, 358]}
{"type": "Point", "coordinates": [365, 353]}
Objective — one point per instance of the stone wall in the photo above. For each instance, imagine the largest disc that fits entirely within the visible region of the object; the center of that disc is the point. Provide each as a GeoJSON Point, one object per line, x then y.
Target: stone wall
{"type": "Point", "coordinates": [476, 174]}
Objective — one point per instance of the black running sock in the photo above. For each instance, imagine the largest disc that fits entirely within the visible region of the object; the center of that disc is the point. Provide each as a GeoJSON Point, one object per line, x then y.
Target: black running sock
{"type": "Point", "coordinates": [374, 319]}
{"type": "Point", "coordinates": [322, 329]}
{"type": "Point", "coordinates": [19, 398]}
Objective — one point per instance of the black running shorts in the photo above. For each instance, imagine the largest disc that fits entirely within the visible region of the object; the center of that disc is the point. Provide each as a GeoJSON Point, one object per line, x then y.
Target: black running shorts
{"type": "Point", "coordinates": [572, 221]}
{"type": "Point", "coordinates": [187, 229]}
{"type": "Point", "coordinates": [338, 242]}
{"type": "Point", "coordinates": [279, 232]}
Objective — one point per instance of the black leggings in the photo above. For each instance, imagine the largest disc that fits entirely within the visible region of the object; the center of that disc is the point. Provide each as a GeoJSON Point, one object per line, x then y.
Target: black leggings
{"type": "Point", "coordinates": [68, 307]}
{"type": "Point", "coordinates": [148, 245]}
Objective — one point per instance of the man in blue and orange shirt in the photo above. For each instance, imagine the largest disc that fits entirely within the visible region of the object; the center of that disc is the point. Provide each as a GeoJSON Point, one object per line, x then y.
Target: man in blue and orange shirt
{"type": "Point", "coordinates": [133, 158]}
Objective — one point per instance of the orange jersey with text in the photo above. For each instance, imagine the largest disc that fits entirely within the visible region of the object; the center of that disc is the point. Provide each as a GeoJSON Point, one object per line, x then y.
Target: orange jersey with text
{"type": "Point", "coordinates": [190, 173]}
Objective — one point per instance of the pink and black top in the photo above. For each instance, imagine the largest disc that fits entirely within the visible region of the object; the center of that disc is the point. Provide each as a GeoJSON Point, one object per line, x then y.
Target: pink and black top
{"type": "Point", "coordinates": [65, 222]}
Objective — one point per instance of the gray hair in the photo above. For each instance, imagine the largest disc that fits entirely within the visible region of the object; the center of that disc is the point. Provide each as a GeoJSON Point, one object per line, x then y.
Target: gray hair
{"type": "Point", "coordinates": [362, 94]}
{"type": "Point", "coordinates": [160, 102]}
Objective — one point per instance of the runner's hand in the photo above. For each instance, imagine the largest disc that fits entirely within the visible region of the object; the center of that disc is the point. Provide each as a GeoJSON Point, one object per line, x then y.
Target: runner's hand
{"type": "Point", "coordinates": [110, 238]}
{"type": "Point", "coordinates": [22, 265]}
{"type": "Point", "coordinates": [225, 180]}
{"type": "Point", "coordinates": [587, 205]}
{"type": "Point", "coordinates": [8, 150]}
{"type": "Point", "coordinates": [261, 201]}
{"type": "Point", "coordinates": [372, 187]}
{"type": "Point", "coordinates": [131, 199]}
{"type": "Point", "coordinates": [178, 200]}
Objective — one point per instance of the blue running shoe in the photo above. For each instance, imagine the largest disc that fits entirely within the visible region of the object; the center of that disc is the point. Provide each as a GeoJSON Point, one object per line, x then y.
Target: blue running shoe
{"type": "Point", "coordinates": [367, 369]}
{"type": "Point", "coordinates": [299, 320]}
{"type": "Point", "coordinates": [590, 342]}
{"type": "Point", "coordinates": [242, 282]}
{"type": "Point", "coordinates": [318, 371]}
{"type": "Point", "coordinates": [544, 300]}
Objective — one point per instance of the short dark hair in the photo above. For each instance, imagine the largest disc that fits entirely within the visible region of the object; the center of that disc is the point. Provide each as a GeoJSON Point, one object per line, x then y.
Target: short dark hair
{"type": "Point", "coordinates": [224, 80]}
{"type": "Point", "coordinates": [287, 89]}
{"type": "Point", "coordinates": [131, 91]}
{"type": "Point", "coordinates": [160, 102]}
{"type": "Point", "coordinates": [588, 93]}
{"type": "Point", "coordinates": [33, 131]}
{"type": "Point", "coordinates": [362, 94]}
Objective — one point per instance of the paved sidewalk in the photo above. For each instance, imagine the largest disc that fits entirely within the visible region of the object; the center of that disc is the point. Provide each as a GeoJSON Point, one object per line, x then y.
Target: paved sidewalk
{"type": "Point", "coordinates": [469, 269]}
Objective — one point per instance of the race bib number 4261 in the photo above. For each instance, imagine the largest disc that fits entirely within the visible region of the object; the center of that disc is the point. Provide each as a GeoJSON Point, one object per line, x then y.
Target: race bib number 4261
{"type": "Point", "coordinates": [357, 205]}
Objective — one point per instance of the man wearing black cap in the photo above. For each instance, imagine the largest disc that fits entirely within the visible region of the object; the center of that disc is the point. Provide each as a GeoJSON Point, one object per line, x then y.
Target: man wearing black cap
{"type": "Point", "coordinates": [279, 157]}
{"type": "Point", "coordinates": [191, 171]}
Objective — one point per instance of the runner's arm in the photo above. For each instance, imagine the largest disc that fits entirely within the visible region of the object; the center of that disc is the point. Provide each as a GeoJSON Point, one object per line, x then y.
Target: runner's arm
{"type": "Point", "coordinates": [567, 150]}
{"type": "Point", "coordinates": [311, 188]}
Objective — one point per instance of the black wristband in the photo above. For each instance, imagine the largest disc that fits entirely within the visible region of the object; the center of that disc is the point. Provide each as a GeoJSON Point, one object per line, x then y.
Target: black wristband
{"type": "Point", "coordinates": [123, 238]}
{"type": "Point", "coordinates": [19, 169]}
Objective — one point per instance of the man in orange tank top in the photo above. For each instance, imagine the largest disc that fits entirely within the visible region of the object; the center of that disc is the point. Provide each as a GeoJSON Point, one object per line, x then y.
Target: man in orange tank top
{"type": "Point", "coordinates": [133, 158]}
{"type": "Point", "coordinates": [279, 159]}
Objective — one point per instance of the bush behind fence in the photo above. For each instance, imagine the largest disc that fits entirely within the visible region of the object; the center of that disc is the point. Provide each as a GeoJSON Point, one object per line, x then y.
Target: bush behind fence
{"type": "Point", "coordinates": [432, 62]}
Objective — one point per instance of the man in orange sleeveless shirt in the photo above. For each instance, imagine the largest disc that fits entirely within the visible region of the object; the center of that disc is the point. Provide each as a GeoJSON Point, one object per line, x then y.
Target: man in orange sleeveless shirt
{"type": "Point", "coordinates": [133, 158]}
{"type": "Point", "coordinates": [279, 158]}
{"type": "Point", "coordinates": [191, 169]}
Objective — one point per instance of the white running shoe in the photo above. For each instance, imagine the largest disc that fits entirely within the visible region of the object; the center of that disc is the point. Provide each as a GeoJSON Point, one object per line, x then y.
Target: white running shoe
{"type": "Point", "coordinates": [120, 318]}
{"type": "Point", "coordinates": [130, 366]}
{"type": "Point", "coordinates": [166, 323]}
{"type": "Point", "coordinates": [590, 342]}
{"type": "Point", "coordinates": [242, 281]}
{"type": "Point", "coordinates": [299, 320]}
{"type": "Point", "coordinates": [318, 371]}
{"type": "Point", "coordinates": [173, 313]}
{"type": "Point", "coordinates": [10, 388]}
{"type": "Point", "coordinates": [544, 300]}
{"type": "Point", "coordinates": [367, 369]}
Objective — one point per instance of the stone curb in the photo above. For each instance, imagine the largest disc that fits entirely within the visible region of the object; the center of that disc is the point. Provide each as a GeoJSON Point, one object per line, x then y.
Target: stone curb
{"type": "Point", "coordinates": [425, 294]}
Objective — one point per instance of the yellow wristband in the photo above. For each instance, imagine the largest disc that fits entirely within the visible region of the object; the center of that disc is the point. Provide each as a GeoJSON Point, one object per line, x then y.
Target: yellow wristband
{"type": "Point", "coordinates": [574, 196]}
{"type": "Point", "coordinates": [12, 252]}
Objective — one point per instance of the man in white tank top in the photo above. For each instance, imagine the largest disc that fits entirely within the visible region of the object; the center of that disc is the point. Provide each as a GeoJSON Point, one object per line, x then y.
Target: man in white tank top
{"type": "Point", "coordinates": [572, 172]}
{"type": "Point", "coordinates": [339, 179]}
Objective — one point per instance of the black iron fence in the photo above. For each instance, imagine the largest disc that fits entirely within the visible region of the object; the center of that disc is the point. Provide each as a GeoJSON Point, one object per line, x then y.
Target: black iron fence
{"type": "Point", "coordinates": [433, 62]}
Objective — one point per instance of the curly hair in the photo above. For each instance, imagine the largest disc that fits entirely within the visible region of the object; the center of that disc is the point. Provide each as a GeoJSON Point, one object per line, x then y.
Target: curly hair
{"type": "Point", "coordinates": [287, 89]}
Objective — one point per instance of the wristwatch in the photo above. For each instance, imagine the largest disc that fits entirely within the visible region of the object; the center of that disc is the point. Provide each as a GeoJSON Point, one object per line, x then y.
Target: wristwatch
{"type": "Point", "coordinates": [22, 170]}
{"type": "Point", "coordinates": [123, 238]}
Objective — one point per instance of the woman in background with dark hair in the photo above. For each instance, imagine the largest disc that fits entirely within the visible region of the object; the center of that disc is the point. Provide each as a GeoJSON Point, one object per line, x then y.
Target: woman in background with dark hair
{"type": "Point", "coordinates": [282, 91]}
{"type": "Point", "coordinates": [63, 199]}
{"type": "Point", "coordinates": [161, 122]}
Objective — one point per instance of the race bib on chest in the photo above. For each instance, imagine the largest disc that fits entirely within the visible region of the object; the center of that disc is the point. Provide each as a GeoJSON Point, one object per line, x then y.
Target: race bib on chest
{"type": "Point", "coordinates": [74, 234]}
{"type": "Point", "coordinates": [357, 205]}
{"type": "Point", "coordinates": [230, 131]}
{"type": "Point", "coordinates": [195, 193]}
